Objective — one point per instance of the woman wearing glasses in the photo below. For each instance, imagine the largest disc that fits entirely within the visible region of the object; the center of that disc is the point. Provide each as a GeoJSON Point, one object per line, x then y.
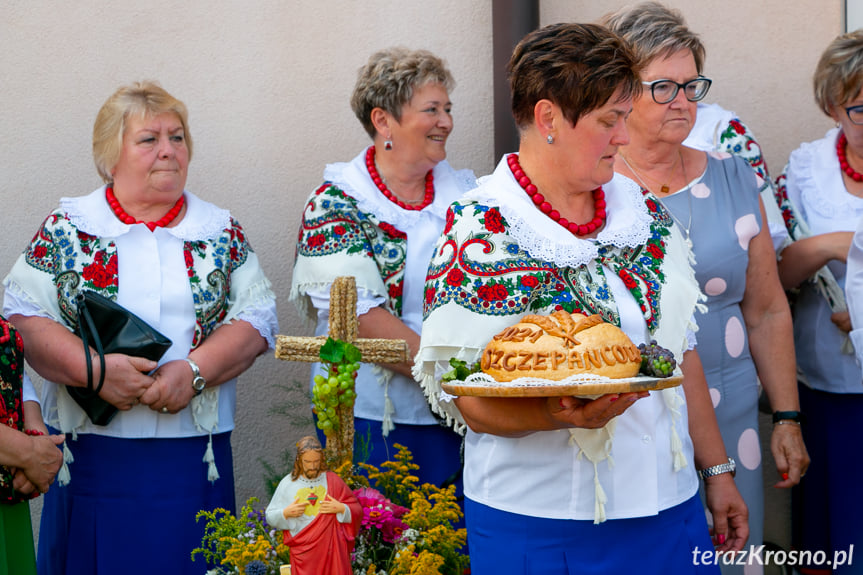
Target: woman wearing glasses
{"type": "Point", "coordinates": [824, 182]}
{"type": "Point", "coordinates": [714, 197]}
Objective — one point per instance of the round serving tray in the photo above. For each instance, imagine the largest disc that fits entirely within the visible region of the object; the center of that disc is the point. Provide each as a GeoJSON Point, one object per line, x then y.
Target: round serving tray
{"type": "Point", "coordinates": [481, 385]}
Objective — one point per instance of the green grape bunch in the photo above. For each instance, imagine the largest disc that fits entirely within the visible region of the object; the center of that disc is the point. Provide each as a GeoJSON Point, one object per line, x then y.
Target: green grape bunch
{"type": "Point", "coordinates": [334, 391]}
{"type": "Point", "coordinates": [656, 361]}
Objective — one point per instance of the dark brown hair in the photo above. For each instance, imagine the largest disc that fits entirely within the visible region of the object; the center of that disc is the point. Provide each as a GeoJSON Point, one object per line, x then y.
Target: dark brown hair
{"type": "Point", "coordinates": [304, 445]}
{"type": "Point", "coordinates": [576, 66]}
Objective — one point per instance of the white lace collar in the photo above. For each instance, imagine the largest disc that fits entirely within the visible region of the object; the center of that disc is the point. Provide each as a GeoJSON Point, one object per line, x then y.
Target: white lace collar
{"type": "Point", "coordinates": [92, 214]}
{"type": "Point", "coordinates": [815, 169]}
{"type": "Point", "coordinates": [353, 179]}
{"type": "Point", "coordinates": [627, 225]}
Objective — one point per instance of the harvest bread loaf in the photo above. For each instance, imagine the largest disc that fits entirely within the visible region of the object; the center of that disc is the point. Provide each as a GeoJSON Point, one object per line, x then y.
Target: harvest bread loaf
{"type": "Point", "coordinates": [557, 346]}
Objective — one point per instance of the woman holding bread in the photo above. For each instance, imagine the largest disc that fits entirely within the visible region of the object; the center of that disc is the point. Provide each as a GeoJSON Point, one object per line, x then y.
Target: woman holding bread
{"type": "Point", "coordinates": [561, 485]}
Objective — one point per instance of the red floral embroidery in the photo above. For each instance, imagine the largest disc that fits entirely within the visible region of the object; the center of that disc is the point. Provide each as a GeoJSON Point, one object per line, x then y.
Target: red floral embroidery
{"type": "Point", "coordinates": [494, 221]}
{"type": "Point", "coordinates": [430, 295]}
{"type": "Point", "coordinates": [627, 280]}
{"type": "Point", "coordinates": [40, 252]}
{"type": "Point", "coordinates": [8, 418]}
{"type": "Point", "coordinates": [455, 277]}
{"type": "Point", "coordinates": [340, 230]}
{"type": "Point", "coordinates": [190, 262]}
{"type": "Point", "coordinates": [651, 205]}
{"type": "Point", "coordinates": [317, 240]}
{"type": "Point", "coordinates": [738, 127]}
{"type": "Point", "coordinates": [395, 290]}
{"type": "Point", "coordinates": [392, 231]}
{"type": "Point", "coordinates": [492, 292]}
{"type": "Point", "coordinates": [655, 251]}
{"type": "Point", "coordinates": [101, 275]}
{"type": "Point", "coordinates": [529, 282]}
{"type": "Point", "coordinates": [450, 219]}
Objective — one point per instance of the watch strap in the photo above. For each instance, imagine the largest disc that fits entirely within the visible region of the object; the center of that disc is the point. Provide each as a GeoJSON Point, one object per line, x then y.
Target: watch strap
{"type": "Point", "coordinates": [196, 377]}
{"type": "Point", "coordinates": [787, 415]}
{"type": "Point", "coordinates": [728, 467]}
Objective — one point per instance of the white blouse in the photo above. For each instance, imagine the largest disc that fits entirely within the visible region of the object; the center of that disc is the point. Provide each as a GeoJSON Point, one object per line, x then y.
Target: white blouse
{"type": "Point", "coordinates": [383, 395]}
{"type": "Point", "coordinates": [814, 185]}
{"type": "Point", "coordinates": [640, 465]}
{"type": "Point", "coordinates": [153, 283]}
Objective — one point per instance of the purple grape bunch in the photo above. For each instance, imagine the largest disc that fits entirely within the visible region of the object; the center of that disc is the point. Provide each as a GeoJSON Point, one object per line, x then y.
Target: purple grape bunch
{"type": "Point", "coordinates": [656, 361]}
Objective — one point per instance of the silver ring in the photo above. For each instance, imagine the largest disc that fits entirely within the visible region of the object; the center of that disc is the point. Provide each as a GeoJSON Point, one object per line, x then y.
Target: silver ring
{"type": "Point", "coordinates": [164, 410]}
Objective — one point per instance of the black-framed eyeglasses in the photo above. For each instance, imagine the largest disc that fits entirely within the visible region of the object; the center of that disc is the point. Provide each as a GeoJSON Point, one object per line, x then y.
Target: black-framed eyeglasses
{"type": "Point", "coordinates": [855, 114]}
{"type": "Point", "coordinates": [664, 91]}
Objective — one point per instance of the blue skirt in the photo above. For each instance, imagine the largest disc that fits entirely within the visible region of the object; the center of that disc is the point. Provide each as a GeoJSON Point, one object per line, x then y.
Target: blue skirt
{"type": "Point", "coordinates": [435, 448]}
{"type": "Point", "coordinates": [827, 510]}
{"type": "Point", "coordinates": [502, 542]}
{"type": "Point", "coordinates": [130, 507]}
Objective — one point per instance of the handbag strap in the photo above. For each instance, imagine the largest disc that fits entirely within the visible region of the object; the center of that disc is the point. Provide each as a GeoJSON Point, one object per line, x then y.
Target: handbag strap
{"type": "Point", "coordinates": [84, 316]}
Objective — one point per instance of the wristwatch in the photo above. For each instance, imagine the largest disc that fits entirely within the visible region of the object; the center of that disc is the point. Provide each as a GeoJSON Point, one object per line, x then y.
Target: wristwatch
{"type": "Point", "coordinates": [795, 416]}
{"type": "Point", "coordinates": [729, 467]}
{"type": "Point", "coordinates": [198, 382]}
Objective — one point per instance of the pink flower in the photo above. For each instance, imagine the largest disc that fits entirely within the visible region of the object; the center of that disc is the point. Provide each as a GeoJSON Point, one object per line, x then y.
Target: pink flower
{"type": "Point", "coordinates": [393, 530]}
{"type": "Point", "coordinates": [382, 514]}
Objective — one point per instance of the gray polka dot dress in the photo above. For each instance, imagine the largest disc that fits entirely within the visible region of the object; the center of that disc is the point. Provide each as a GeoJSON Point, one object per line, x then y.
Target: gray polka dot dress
{"type": "Point", "coordinates": [721, 212]}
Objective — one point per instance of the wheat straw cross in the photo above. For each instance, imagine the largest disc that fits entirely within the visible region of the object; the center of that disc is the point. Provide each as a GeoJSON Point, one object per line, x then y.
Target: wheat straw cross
{"type": "Point", "coordinates": [342, 326]}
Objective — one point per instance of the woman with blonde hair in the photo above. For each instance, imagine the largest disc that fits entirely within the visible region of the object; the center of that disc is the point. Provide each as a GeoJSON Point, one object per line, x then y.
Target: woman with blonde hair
{"type": "Point", "coordinates": [185, 267]}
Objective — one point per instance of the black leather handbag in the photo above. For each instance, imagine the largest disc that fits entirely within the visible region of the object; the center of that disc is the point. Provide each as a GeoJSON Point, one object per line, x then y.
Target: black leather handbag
{"type": "Point", "coordinates": [110, 328]}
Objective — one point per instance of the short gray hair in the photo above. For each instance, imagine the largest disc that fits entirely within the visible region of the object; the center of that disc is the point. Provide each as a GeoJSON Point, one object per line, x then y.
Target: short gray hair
{"type": "Point", "coordinates": [839, 74]}
{"type": "Point", "coordinates": [137, 100]}
{"type": "Point", "coordinates": [655, 31]}
{"type": "Point", "coordinates": [389, 79]}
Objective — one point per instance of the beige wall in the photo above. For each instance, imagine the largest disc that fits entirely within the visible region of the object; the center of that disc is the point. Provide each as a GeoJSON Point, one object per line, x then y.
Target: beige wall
{"type": "Point", "coordinates": [267, 84]}
{"type": "Point", "coordinates": [760, 55]}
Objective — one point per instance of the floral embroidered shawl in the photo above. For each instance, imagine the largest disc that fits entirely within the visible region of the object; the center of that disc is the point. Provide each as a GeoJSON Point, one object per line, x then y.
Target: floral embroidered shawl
{"type": "Point", "coordinates": [73, 250]}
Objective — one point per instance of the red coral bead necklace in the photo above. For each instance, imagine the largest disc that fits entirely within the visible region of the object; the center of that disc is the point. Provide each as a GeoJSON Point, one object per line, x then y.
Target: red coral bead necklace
{"type": "Point", "coordinates": [841, 153]}
{"type": "Point", "coordinates": [428, 198]}
{"type": "Point", "coordinates": [546, 208]}
{"type": "Point", "coordinates": [127, 219]}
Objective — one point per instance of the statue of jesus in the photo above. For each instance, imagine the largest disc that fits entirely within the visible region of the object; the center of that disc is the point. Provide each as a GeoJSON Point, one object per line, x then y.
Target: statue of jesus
{"type": "Point", "coordinates": [318, 512]}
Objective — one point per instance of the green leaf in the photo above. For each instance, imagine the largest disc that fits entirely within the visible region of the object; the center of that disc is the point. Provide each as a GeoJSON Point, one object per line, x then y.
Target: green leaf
{"type": "Point", "coordinates": [460, 370]}
{"type": "Point", "coordinates": [352, 353]}
{"type": "Point", "coordinates": [338, 351]}
{"type": "Point", "coordinates": [332, 351]}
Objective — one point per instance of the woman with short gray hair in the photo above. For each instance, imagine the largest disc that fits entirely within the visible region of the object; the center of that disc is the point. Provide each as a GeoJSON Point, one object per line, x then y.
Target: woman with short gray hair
{"type": "Point", "coordinates": [714, 197]}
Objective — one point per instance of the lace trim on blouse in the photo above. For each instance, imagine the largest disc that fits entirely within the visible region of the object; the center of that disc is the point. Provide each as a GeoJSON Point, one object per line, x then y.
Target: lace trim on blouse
{"type": "Point", "coordinates": [91, 214]}
{"type": "Point", "coordinates": [354, 180]}
{"type": "Point", "coordinates": [627, 226]}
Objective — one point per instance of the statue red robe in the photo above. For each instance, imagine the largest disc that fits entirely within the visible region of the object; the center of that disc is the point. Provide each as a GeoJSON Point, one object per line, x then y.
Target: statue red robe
{"type": "Point", "coordinates": [324, 546]}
